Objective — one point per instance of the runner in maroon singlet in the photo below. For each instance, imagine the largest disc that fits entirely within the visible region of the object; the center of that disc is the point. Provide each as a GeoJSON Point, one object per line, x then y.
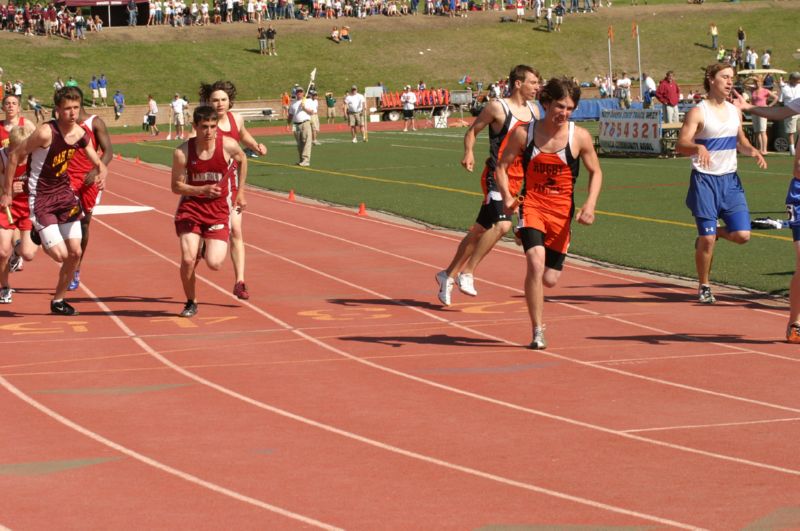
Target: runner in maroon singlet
{"type": "Point", "coordinates": [221, 95]}
{"type": "Point", "coordinates": [81, 176]}
{"type": "Point", "coordinates": [16, 219]}
{"type": "Point", "coordinates": [201, 175]}
{"type": "Point", "coordinates": [55, 211]}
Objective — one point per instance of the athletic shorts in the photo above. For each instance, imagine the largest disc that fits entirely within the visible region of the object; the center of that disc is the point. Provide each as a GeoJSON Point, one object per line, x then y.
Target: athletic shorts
{"type": "Point", "coordinates": [89, 196]}
{"type": "Point", "coordinates": [179, 119]}
{"type": "Point", "coordinates": [151, 119]}
{"type": "Point", "coordinates": [408, 114]}
{"type": "Point", "coordinates": [52, 235]}
{"type": "Point", "coordinates": [793, 208]}
{"type": "Point", "coordinates": [534, 238]}
{"type": "Point", "coordinates": [54, 209]}
{"type": "Point", "coordinates": [20, 214]}
{"type": "Point", "coordinates": [103, 92]}
{"type": "Point", "coordinates": [355, 119]}
{"type": "Point", "coordinates": [712, 197]}
{"type": "Point", "coordinates": [95, 93]}
{"type": "Point", "coordinates": [216, 231]}
{"type": "Point", "coordinates": [556, 227]}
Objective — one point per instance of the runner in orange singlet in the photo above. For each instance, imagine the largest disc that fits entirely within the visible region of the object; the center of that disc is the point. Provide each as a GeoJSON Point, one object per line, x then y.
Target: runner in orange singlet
{"type": "Point", "coordinates": [551, 149]}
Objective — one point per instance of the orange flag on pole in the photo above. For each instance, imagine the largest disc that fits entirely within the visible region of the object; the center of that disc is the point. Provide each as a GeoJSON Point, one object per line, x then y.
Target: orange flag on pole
{"type": "Point", "coordinates": [611, 33]}
{"type": "Point", "coordinates": [635, 30]}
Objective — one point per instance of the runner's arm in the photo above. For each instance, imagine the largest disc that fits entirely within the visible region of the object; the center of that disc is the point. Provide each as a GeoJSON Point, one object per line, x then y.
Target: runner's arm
{"type": "Point", "coordinates": [489, 114]}
{"type": "Point", "coordinates": [104, 143]}
{"type": "Point", "coordinates": [234, 151]}
{"type": "Point", "coordinates": [99, 166]}
{"type": "Point", "coordinates": [247, 138]}
{"type": "Point", "coordinates": [41, 137]}
{"type": "Point", "coordinates": [744, 146]}
{"type": "Point", "coordinates": [588, 155]}
{"type": "Point", "coordinates": [686, 144]}
{"type": "Point", "coordinates": [514, 147]}
{"type": "Point", "coordinates": [770, 113]}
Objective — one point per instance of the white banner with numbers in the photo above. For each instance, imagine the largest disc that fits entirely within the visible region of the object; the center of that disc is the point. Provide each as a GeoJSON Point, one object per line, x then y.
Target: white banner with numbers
{"type": "Point", "coordinates": [630, 131]}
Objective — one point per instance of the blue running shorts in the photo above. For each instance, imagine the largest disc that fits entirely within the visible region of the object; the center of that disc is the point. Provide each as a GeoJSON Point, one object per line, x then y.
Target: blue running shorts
{"type": "Point", "coordinates": [712, 197]}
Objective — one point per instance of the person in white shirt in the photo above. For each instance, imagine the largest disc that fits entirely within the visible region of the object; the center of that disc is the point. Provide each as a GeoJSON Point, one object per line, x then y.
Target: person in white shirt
{"type": "Point", "coordinates": [355, 104]}
{"type": "Point", "coordinates": [624, 91]}
{"type": "Point", "coordinates": [176, 108]}
{"type": "Point", "coordinates": [766, 59]}
{"type": "Point", "coordinates": [313, 105]}
{"type": "Point", "coordinates": [300, 112]}
{"type": "Point", "coordinates": [152, 111]}
{"type": "Point", "coordinates": [790, 92]}
{"type": "Point", "coordinates": [409, 100]}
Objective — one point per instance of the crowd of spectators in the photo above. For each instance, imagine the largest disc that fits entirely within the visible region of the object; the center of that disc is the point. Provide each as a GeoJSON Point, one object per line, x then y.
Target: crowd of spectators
{"type": "Point", "coordinates": [48, 20]}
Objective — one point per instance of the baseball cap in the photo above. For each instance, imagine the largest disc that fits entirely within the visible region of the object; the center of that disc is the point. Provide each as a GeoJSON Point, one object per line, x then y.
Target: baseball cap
{"type": "Point", "coordinates": [794, 76]}
{"type": "Point", "coordinates": [312, 92]}
{"type": "Point", "coordinates": [354, 87]}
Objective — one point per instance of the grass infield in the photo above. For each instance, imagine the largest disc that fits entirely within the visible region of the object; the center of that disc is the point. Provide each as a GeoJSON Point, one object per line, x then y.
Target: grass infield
{"type": "Point", "coordinates": [642, 221]}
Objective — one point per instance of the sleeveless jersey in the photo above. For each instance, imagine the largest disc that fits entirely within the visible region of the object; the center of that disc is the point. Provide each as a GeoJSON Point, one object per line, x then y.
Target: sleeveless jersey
{"type": "Point", "coordinates": [236, 135]}
{"type": "Point", "coordinates": [497, 144]}
{"type": "Point", "coordinates": [20, 210]}
{"type": "Point", "coordinates": [549, 179]}
{"type": "Point", "coordinates": [4, 134]}
{"type": "Point", "coordinates": [80, 164]}
{"type": "Point", "coordinates": [719, 138]}
{"type": "Point", "coordinates": [216, 170]}
{"type": "Point", "coordinates": [496, 139]}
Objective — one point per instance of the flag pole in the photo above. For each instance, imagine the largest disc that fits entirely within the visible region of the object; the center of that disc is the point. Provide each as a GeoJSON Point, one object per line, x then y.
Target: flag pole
{"type": "Point", "coordinates": [639, 61]}
{"type": "Point", "coordinates": [610, 40]}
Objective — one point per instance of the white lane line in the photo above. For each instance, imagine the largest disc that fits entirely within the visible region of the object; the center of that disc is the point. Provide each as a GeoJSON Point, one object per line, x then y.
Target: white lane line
{"type": "Point", "coordinates": [448, 388]}
{"type": "Point", "coordinates": [152, 462]}
{"type": "Point", "coordinates": [719, 425]}
{"type": "Point", "coordinates": [353, 436]}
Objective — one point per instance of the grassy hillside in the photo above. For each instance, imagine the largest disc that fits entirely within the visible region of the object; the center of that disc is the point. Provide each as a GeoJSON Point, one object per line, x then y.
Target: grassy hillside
{"type": "Point", "coordinates": [162, 60]}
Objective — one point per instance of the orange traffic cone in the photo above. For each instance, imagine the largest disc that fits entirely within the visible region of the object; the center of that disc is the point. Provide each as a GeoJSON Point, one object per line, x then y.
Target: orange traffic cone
{"type": "Point", "coordinates": [119, 156]}
{"type": "Point", "coordinates": [291, 195]}
{"type": "Point", "coordinates": [138, 161]}
{"type": "Point", "coordinates": [362, 209]}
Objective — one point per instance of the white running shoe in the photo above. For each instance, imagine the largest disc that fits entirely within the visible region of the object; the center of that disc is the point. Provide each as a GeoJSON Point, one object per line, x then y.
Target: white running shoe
{"type": "Point", "coordinates": [14, 262]}
{"type": "Point", "coordinates": [355, 141]}
{"type": "Point", "coordinates": [5, 295]}
{"type": "Point", "coordinates": [466, 283]}
{"type": "Point", "coordinates": [539, 342]}
{"type": "Point", "coordinates": [445, 287]}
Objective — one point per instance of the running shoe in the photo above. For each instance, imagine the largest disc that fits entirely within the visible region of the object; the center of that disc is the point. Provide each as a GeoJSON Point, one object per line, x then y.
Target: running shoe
{"type": "Point", "coordinates": [793, 333]}
{"type": "Point", "coordinates": [62, 307]}
{"type": "Point", "coordinates": [354, 140]}
{"type": "Point", "coordinates": [189, 309]}
{"type": "Point", "coordinates": [466, 283]}
{"type": "Point", "coordinates": [445, 287]}
{"type": "Point", "coordinates": [5, 295]}
{"type": "Point", "coordinates": [704, 295]}
{"type": "Point", "coordinates": [75, 283]}
{"type": "Point", "coordinates": [14, 262]}
{"type": "Point", "coordinates": [240, 290]}
{"type": "Point", "coordinates": [539, 342]}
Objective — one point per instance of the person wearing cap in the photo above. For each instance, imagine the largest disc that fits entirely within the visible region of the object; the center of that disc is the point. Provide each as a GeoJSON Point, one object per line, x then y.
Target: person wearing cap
{"type": "Point", "coordinates": [790, 92]}
{"type": "Point", "coordinates": [355, 104]}
{"type": "Point", "coordinates": [408, 99]}
{"type": "Point", "coordinates": [300, 112]}
{"type": "Point", "coordinates": [177, 107]}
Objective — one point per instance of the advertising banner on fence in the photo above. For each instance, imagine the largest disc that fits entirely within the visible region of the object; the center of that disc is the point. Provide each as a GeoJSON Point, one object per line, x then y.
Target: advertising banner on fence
{"type": "Point", "coordinates": [630, 131]}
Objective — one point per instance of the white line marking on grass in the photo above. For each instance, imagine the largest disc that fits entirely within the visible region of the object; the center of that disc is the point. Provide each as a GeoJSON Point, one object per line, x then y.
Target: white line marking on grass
{"type": "Point", "coordinates": [462, 392]}
{"type": "Point", "coordinates": [425, 147]}
{"type": "Point", "coordinates": [720, 425]}
{"type": "Point", "coordinates": [350, 435]}
{"type": "Point", "coordinates": [143, 458]}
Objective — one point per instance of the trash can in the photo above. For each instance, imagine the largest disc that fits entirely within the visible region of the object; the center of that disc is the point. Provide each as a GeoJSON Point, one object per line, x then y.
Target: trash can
{"type": "Point", "coordinates": [778, 139]}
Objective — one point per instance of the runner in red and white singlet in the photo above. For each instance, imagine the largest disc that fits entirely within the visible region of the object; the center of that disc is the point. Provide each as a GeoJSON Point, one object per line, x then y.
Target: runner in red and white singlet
{"type": "Point", "coordinates": [201, 173]}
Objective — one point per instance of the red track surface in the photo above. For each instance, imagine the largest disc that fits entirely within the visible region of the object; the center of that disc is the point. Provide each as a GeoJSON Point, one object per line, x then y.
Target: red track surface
{"type": "Point", "coordinates": [341, 394]}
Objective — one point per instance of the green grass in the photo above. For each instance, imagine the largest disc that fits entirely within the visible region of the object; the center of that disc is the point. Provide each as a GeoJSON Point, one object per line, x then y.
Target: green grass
{"type": "Point", "coordinates": [642, 221]}
{"type": "Point", "coordinates": [162, 60]}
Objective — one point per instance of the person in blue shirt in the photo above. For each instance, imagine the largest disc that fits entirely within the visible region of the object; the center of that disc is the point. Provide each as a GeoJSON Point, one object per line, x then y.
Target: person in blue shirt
{"type": "Point", "coordinates": [102, 85]}
{"type": "Point", "coordinates": [95, 90]}
{"type": "Point", "coordinates": [119, 104]}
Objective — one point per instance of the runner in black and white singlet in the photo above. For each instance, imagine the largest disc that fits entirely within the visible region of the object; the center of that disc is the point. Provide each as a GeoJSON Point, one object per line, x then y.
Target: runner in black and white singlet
{"type": "Point", "coordinates": [502, 116]}
{"type": "Point", "coordinates": [55, 211]}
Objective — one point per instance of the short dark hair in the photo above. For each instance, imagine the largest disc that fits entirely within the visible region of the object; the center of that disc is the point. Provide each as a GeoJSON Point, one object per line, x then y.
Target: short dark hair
{"type": "Point", "coordinates": [10, 96]}
{"type": "Point", "coordinates": [558, 88]}
{"type": "Point", "coordinates": [204, 113]}
{"type": "Point", "coordinates": [712, 70]}
{"type": "Point", "coordinates": [67, 94]}
{"type": "Point", "coordinates": [519, 72]}
{"type": "Point", "coordinates": [206, 89]}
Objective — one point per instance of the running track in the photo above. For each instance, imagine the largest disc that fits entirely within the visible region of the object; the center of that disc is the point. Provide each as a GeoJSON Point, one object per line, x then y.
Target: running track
{"type": "Point", "coordinates": [342, 396]}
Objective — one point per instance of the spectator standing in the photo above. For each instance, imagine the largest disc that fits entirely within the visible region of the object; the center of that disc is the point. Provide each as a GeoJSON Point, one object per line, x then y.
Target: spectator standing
{"type": "Point", "coordinates": [649, 90]}
{"type": "Point", "coordinates": [300, 118]}
{"type": "Point", "coordinates": [152, 111]}
{"type": "Point", "coordinates": [71, 82]}
{"type": "Point", "coordinates": [559, 10]}
{"type": "Point", "coordinates": [714, 32]}
{"type": "Point", "coordinates": [313, 104]}
{"type": "Point", "coordinates": [177, 107]}
{"type": "Point", "coordinates": [356, 104]}
{"type": "Point", "coordinates": [133, 12]}
{"type": "Point", "coordinates": [119, 104]}
{"type": "Point", "coordinates": [36, 107]}
{"type": "Point", "coordinates": [330, 102]}
{"type": "Point", "coordinates": [789, 93]}
{"type": "Point", "coordinates": [668, 93]}
{"type": "Point", "coordinates": [59, 84]}
{"type": "Point", "coordinates": [102, 87]}
{"type": "Point", "coordinates": [271, 40]}
{"type": "Point", "coordinates": [623, 91]}
{"type": "Point", "coordinates": [741, 37]}
{"type": "Point", "coordinates": [761, 97]}
{"type": "Point", "coordinates": [262, 40]}
{"type": "Point", "coordinates": [409, 100]}
{"type": "Point", "coordinates": [95, 88]}
{"type": "Point", "coordinates": [766, 59]}
{"type": "Point", "coordinates": [751, 58]}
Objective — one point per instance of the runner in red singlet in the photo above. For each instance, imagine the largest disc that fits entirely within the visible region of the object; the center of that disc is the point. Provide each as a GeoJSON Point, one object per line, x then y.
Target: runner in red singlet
{"type": "Point", "coordinates": [55, 211]}
{"type": "Point", "coordinates": [81, 175]}
{"type": "Point", "coordinates": [202, 169]}
{"type": "Point", "coordinates": [12, 112]}
{"type": "Point", "coordinates": [221, 95]}
{"type": "Point", "coordinates": [11, 253]}
{"type": "Point", "coordinates": [551, 149]}
{"type": "Point", "coordinates": [501, 116]}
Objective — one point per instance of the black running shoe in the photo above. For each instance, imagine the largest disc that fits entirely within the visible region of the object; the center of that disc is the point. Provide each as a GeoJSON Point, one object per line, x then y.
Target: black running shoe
{"type": "Point", "coordinates": [189, 309]}
{"type": "Point", "coordinates": [62, 307]}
